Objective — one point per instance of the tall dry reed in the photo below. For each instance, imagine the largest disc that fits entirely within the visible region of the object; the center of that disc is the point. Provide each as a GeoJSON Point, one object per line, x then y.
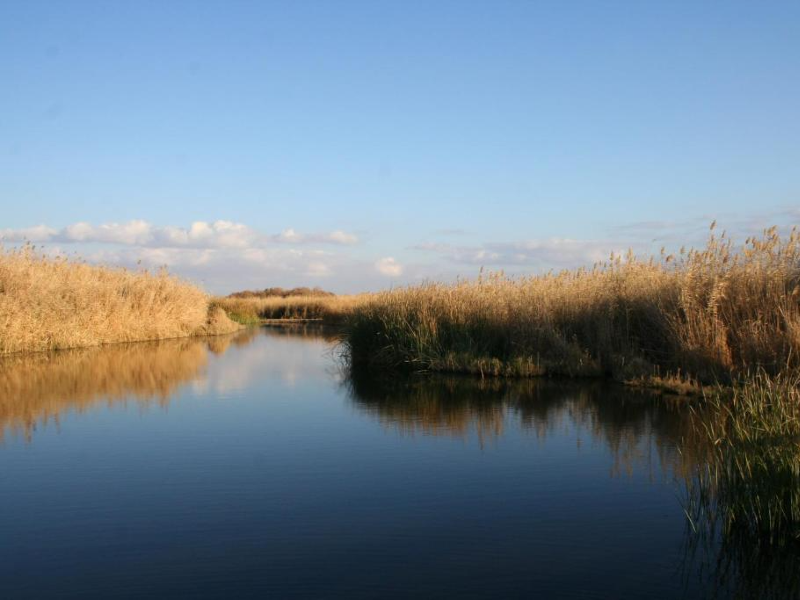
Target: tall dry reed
{"type": "Point", "coordinates": [713, 314]}
{"type": "Point", "coordinates": [49, 303]}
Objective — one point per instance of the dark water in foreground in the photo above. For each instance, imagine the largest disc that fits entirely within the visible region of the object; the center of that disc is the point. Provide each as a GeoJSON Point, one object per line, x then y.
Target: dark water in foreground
{"type": "Point", "coordinates": [248, 466]}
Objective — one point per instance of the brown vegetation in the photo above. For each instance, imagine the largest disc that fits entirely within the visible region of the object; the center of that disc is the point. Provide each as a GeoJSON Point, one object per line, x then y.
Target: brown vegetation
{"type": "Point", "coordinates": [255, 309]}
{"type": "Point", "coordinates": [279, 292]}
{"type": "Point", "coordinates": [51, 303]}
{"type": "Point", "coordinates": [750, 485]}
{"type": "Point", "coordinates": [709, 315]}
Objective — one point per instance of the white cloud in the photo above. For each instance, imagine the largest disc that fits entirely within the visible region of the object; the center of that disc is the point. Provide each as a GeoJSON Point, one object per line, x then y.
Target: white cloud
{"type": "Point", "coordinates": [222, 255]}
{"type": "Point", "coordinates": [644, 238]}
{"type": "Point", "coordinates": [340, 237]}
{"type": "Point", "coordinates": [318, 269]}
{"type": "Point", "coordinates": [290, 236]}
{"type": "Point", "coordinates": [224, 270]}
{"type": "Point", "coordinates": [694, 231]}
{"type": "Point", "coordinates": [225, 256]}
{"type": "Point", "coordinates": [389, 266]}
{"type": "Point", "coordinates": [200, 234]}
{"type": "Point", "coordinates": [548, 253]}
{"type": "Point", "coordinates": [40, 233]}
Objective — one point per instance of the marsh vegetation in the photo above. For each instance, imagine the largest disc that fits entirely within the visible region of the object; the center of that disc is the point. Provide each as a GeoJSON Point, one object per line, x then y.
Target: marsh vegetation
{"type": "Point", "coordinates": [742, 500]}
{"type": "Point", "coordinates": [710, 316]}
{"type": "Point", "coordinates": [51, 303]}
{"type": "Point", "coordinates": [749, 485]}
{"type": "Point", "coordinates": [252, 309]}
{"type": "Point", "coordinates": [723, 322]}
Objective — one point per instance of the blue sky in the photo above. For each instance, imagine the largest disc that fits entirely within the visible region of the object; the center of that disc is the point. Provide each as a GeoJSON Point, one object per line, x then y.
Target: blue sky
{"type": "Point", "coordinates": [357, 145]}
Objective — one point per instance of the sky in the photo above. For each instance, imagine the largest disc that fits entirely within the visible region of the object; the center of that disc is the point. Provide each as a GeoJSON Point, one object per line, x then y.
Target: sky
{"type": "Point", "coordinates": [362, 145]}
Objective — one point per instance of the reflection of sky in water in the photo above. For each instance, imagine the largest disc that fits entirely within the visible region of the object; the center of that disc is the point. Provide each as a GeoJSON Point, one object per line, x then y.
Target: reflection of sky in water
{"type": "Point", "coordinates": [269, 358]}
{"type": "Point", "coordinates": [41, 388]}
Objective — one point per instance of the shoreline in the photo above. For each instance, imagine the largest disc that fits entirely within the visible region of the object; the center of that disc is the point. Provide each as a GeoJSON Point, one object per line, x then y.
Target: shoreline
{"type": "Point", "coordinates": [18, 353]}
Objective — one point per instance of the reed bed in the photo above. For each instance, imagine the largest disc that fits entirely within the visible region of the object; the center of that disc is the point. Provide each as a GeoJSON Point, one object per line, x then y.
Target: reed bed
{"type": "Point", "coordinates": [749, 487]}
{"type": "Point", "coordinates": [743, 501]}
{"type": "Point", "coordinates": [710, 315]}
{"type": "Point", "coordinates": [254, 309]}
{"type": "Point", "coordinates": [49, 303]}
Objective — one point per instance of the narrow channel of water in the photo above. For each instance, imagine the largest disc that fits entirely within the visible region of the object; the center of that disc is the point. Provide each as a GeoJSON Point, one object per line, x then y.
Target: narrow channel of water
{"type": "Point", "coordinates": [250, 466]}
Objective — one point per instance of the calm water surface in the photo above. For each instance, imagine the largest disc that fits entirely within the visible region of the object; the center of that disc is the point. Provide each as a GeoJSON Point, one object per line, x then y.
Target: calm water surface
{"type": "Point", "coordinates": [249, 466]}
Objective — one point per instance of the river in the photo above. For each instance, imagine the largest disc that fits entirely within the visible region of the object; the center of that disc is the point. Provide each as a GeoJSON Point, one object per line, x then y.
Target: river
{"type": "Point", "coordinates": [253, 465]}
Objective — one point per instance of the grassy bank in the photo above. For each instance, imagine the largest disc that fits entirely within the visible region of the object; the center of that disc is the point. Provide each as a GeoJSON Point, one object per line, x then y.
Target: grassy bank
{"type": "Point", "coordinates": [255, 309]}
{"type": "Point", "coordinates": [711, 315]}
{"type": "Point", "coordinates": [53, 303]}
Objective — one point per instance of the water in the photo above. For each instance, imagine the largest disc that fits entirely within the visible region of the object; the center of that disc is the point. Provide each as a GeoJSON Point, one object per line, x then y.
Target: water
{"type": "Point", "coordinates": [249, 466]}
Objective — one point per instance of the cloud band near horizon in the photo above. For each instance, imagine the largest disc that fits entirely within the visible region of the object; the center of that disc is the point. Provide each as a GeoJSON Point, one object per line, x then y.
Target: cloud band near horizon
{"type": "Point", "coordinates": [228, 256]}
{"type": "Point", "coordinates": [200, 234]}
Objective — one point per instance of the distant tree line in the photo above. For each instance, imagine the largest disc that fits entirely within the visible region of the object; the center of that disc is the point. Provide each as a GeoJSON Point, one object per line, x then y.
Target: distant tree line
{"type": "Point", "coordinates": [278, 292]}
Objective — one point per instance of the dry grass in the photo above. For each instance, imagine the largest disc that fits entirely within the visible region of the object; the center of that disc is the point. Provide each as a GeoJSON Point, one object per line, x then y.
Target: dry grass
{"type": "Point", "coordinates": [53, 303]}
{"type": "Point", "coordinates": [707, 315]}
{"type": "Point", "coordinates": [318, 307]}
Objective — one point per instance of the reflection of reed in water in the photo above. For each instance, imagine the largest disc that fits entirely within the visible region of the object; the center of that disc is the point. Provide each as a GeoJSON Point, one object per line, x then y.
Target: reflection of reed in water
{"type": "Point", "coordinates": [221, 343]}
{"type": "Point", "coordinates": [639, 429]}
{"type": "Point", "coordinates": [304, 330]}
{"type": "Point", "coordinates": [433, 406]}
{"type": "Point", "coordinates": [737, 567]}
{"type": "Point", "coordinates": [38, 388]}
{"type": "Point", "coordinates": [632, 424]}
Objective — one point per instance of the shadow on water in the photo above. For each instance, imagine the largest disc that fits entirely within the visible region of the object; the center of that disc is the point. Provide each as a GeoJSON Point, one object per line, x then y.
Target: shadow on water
{"type": "Point", "coordinates": [309, 330]}
{"type": "Point", "coordinates": [736, 566]}
{"type": "Point", "coordinates": [639, 429]}
{"type": "Point", "coordinates": [630, 423]}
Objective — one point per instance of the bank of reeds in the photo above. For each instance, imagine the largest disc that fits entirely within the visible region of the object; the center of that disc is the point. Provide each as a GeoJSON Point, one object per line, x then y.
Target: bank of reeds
{"type": "Point", "coordinates": [743, 500]}
{"type": "Point", "coordinates": [749, 486]}
{"type": "Point", "coordinates": [710, 315]}
{"type": "Point", "coordinates": [253, 309]}
{"type": "Point", "coordinates": [50, 303]}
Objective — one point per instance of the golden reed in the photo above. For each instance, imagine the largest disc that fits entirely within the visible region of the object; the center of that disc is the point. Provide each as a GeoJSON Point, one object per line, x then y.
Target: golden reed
{"type": "Point", "coordinates": [712, 315]}
{"type": "Point", "coordinates": [49, 303]}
